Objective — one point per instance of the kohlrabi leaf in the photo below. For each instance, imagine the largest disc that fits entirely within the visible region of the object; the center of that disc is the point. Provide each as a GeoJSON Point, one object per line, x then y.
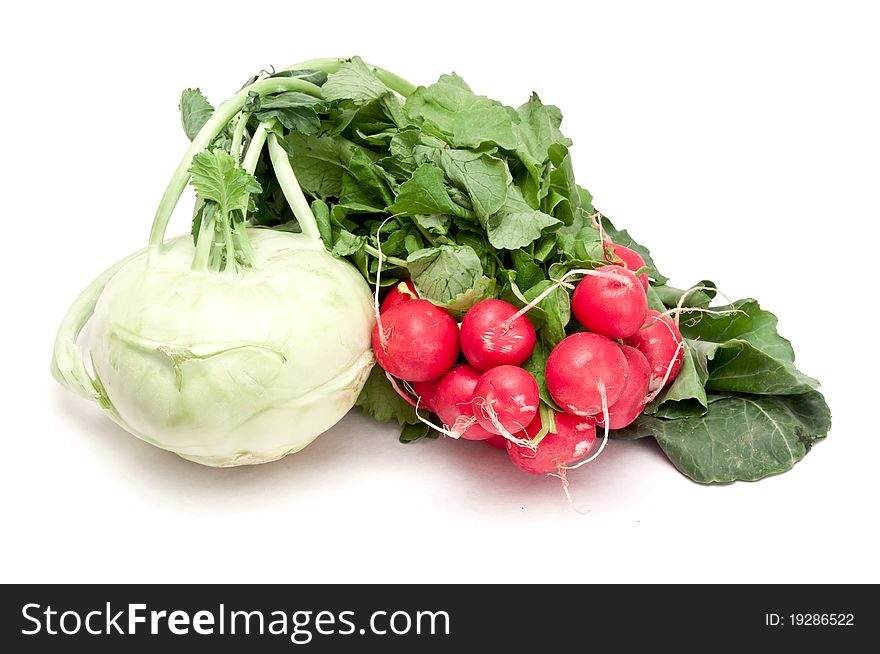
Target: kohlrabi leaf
{"type": "Point", "coordinates": [297, 111]}
{"type": "Point", "coordinates": [217, 177]}
{"type": "Point", "coordinates": [316, 77]}
{"type": "Point", "coordinates": [318, 162]}
{"type": "Point", "coordinates": [740, 437]}
{"type": "Point", "coordinates": [353, 81]}
{"type": "Point", "coordinates": [195, 110]}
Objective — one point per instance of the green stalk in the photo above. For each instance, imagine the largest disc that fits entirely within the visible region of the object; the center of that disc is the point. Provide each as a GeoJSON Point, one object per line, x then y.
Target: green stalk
{"type": "Point", "coordinates": [292, 191]}
{"type": "Point", "coordinates": [68, 366]}
{"type": "Point", "coordinates": [258, 140]}
{"type": "Point", "coordinates": [203, 247]}
{"type": "Point", "coordinates": [218, 120]}
{"type": "Point", "coordinates": [330, 65]}
{"type": "Point", "coordinates": [238, 135]}
{"type": "Point", "coordinates": [394, 261]}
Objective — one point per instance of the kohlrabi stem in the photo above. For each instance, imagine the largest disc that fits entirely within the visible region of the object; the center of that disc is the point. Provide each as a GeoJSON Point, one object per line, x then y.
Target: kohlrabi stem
{"type": "Point", "coordinates": [68, 366]}
{"type": "Point", "coordinates": [292, 191]}
{"type": "Point", "coordinates": [258, 140]}
{"type": "Point", "coordinates": [389, 79]}
{"type": "Point", "coordinates": [231, 264]}
{"type": "Point", "coordinates": [238, 135]}
{"type": "Point", "coordinates": [218, 120]}
{"type": "Point", "coordinates": [203, 247]}
{"type": "Point", "coordinates": [394, 261]}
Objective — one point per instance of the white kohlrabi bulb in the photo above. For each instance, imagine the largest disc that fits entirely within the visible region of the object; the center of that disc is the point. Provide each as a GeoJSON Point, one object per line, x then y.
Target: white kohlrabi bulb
{"type": "Point", "coordinates": [229, 369]}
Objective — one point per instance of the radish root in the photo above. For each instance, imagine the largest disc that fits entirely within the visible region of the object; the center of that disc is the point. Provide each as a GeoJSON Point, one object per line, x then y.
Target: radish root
{"type": "Point", "coordinates": [491, 415]}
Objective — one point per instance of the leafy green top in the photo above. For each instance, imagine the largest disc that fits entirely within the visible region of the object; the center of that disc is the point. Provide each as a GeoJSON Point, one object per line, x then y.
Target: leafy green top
{"type": "Point", "coordinates": [483, 202]}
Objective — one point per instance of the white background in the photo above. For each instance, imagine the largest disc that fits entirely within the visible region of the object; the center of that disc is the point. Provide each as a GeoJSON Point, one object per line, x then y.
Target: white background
{"type": "Point", "coordinates": [741, 142]}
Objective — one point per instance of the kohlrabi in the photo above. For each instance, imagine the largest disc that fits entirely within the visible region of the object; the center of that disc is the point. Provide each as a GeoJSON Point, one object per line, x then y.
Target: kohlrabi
{"type": "Point", "coordinates": [239, 344]}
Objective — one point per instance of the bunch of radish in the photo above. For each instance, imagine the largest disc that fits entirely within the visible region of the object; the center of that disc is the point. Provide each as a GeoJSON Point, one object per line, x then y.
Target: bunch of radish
{"type": "Point", "coordinates": [602, 375]}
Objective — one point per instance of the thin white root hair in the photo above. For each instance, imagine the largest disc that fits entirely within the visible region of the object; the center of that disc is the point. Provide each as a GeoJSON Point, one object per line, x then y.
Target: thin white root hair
{"type": "Point", "coordinates": [596, 220]}
{"type": "Point", "coordinates": [691, 291]}
{"type": "Point", "coordinates": [677, 311]}
{"type": "Point", "coordinates": [606, 418]}
{"type": "Point", "coordinates": [492, 416]}
{"type": "Point", "coordinates": [399, 390]}
{"type": "Point", "coordinates": [383, 338]}
{"type": "Point", "coordinates": [451, 433]}
{"type": "Point", "coordinates": [583, 509]}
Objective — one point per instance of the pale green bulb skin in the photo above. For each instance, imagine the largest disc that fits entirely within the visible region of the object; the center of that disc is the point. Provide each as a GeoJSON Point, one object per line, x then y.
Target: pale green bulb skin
{"type": "Point", "coordinates": [232, 369]}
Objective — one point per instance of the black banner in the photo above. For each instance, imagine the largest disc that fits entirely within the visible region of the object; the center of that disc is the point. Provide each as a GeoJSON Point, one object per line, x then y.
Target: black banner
{"type": "Point", "coordinates": [316, 618]}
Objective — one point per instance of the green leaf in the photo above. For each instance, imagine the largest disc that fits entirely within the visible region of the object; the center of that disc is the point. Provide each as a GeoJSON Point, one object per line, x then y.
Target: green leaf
{"type": "Point", "coordinates": [564, 200]}
{"type": "Point", "coordinates": [752, 324]}
{"type": "Point", "coordinates": [556, 306]}
{"type": "Point", "coordinates": [580, 240]}
{"type": "Point", "coordinates": [622, 237]}
{"type": "Point", "coordinates": [353, 81]}
{"type": "Point", "coordinates": [483, 177]}
{"type": "Point", "coordinates": [364, 183]}
{"type": "Point", "coordinates": [316, 77]}
{"type": "Point", "coordinates": [217, 177]}
{"type": "Point", "coordinates": [347, 244]}
{"type": "Point", "coordinates": [322, 216]}
{"type": "Point", "coordinates": [745, 352]}
{"type": "Point", "coordinates": [451, 110]}
{"type": "Point", "coordinates": [741, 437]}
{"type": "Point", "coordinates": [654, 301]}
{"type": "Point", "coordinates": [411, 433]}
{"type": "Point", "coordinates": [434, 223]}
{"type": "Point", "coordinates": [686, 396]}
{"type": "Point", "coordinates": [318, 162]}
{"type": "Point", "coordinates": [516, 225]}
{"type": "Point", "coordinates": [426, 193]}
{"type": "Point", "coordinates": [537, 365]}
{"type": "Point", "coordinates": [295, 110]}
{"type": "Point", "coordinates": [379, 400]}
{"type": "Point", "coordinates": [669, 296]}
{"type": "Point", "coordinates": [528, 273]}
{"type": "Point", "coordinates": [483, 289]}
{"type": "Point", "coordinates": [443, 273]}
{"type": "Point", "coordinates": [195, 110]}
{"type": "Point", "coordinates": [537, 130]}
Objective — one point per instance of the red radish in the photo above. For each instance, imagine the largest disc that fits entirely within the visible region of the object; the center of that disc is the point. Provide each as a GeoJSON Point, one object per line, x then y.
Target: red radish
{"type": "Point", "coordinates": [635, 392]}
{"type": "Point", "coordinates": [497, 441]}
{"type": "Point", "coordinates": [612, 303]}
{"type": "Point", "coordinates": [489, 338]}
{"type": "Point", "coordinates": [660, 341]}
{"type": "Point", "coordinates": [418, 341]}
{"type": "Point", "coordinates": [425, 391]}
{"type": "Point", "coordinates": [619, 255]}
{"type": "Point", "coordinates": [401, 292]}
{"type": "Point", "coordinates": [581, 368]}
{"type": "Point", "coordinates": [454, 402]}
{"type": "Point", "coordinates": [506, 400]}
{"type": "Point", "coordinates": [575, 437]}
